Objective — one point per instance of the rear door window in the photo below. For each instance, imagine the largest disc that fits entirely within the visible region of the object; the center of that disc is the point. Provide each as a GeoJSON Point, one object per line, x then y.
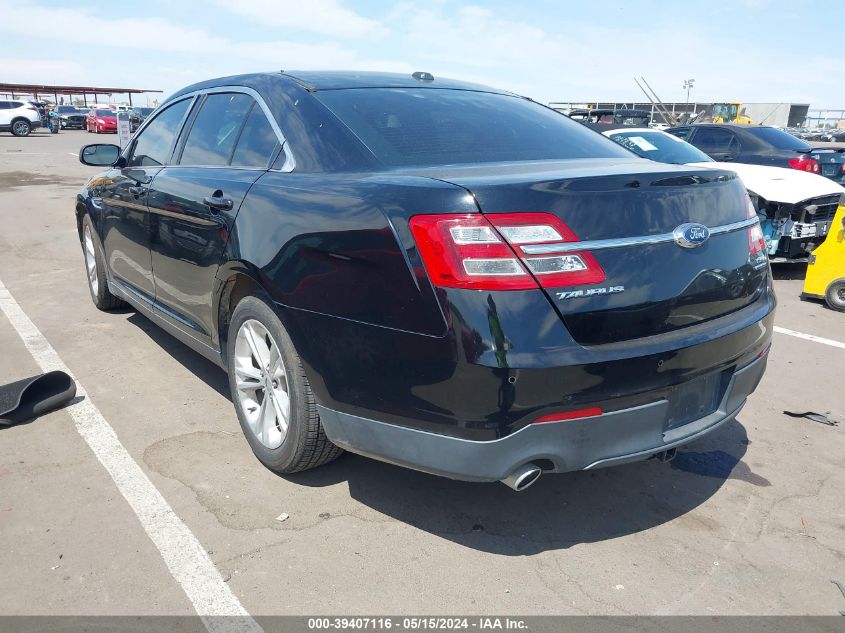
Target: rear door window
{"type": "Point", "coordinates": [211, 141]}
{"type": "Point", "coordinates": [681, 132]}
{"type": "Point", "coordinates": [257, 141]}
{"type": "Point", "coordinates": [153, 145]}
{"type": "Point", "coordinates": [715, 139]}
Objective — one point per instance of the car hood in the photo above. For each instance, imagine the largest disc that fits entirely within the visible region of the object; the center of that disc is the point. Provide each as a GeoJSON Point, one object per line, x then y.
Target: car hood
{"type": "Point", "coordinates": [779, 184]}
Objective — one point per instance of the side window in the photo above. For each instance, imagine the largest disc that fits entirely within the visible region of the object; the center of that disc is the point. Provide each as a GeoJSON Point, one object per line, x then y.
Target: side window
{"type": "Point", "coordinates": [257, 141]}
{"type": "Point", "coordinates": [713, 139]}
{"type": "Point", "coordinates": [5, 105]}
{"type": "Point", "coordinates": [153, 145]}
{"type": "Point", "coordinates": [212, 138]}
{"type": "Point", "coordinates": [681, 132]}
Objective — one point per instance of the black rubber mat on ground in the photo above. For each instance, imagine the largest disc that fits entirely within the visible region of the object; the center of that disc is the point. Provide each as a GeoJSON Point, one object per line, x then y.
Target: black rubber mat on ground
{"type": "Point", "coordinates": [28, 398]}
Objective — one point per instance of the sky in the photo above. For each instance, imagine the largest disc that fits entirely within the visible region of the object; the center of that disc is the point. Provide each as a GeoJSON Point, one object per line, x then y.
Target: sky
{"type": "Point", "coordinates": [549, 50]}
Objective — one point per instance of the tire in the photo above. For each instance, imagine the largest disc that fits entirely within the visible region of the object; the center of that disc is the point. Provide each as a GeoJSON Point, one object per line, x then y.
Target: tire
{"type": "Point", "coordinates": [21, 127]}
{"type": "Point", "coordinates": [95, 268]}
{"type": "Point", "coordinates": [835, 295]}
{"type": "Point", "coordinates": [255, 327]}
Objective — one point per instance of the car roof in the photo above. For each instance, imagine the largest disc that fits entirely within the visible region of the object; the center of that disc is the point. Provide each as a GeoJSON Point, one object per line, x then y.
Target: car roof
{"type": "Point", "coordinates": [314, 81]}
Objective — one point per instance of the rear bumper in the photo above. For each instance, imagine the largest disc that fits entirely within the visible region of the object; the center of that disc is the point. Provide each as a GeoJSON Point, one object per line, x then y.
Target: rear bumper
{"type": "Point", "coordinates": [613, 438]}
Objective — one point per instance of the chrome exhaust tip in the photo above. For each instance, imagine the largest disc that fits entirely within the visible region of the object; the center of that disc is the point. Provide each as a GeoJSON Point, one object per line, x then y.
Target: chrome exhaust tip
{"type": "Point", "coordinates": [523, 477]}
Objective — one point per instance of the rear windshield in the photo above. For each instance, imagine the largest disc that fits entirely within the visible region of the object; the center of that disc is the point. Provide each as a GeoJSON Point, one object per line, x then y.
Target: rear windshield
{"type": "Point", "coordinates": [425, 126]}
{"type": "Point", "coordinates": [778, 138]}
{"type": "Point", "coordinates": [660, 147]}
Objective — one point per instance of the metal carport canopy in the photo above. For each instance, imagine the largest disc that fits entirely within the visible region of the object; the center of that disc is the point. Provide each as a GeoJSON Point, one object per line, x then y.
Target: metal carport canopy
{"type": "Point", "coordinates": [55, 90]}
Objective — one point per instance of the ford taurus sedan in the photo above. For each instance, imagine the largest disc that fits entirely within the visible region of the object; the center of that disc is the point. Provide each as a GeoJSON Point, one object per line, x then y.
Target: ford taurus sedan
{"type": "Point", "coordinates": [432, 273]}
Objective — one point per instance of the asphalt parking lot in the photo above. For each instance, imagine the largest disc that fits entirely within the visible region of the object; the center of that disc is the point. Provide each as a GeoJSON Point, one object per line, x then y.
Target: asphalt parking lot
{"type": "Point", "coordinates": [748, 520]}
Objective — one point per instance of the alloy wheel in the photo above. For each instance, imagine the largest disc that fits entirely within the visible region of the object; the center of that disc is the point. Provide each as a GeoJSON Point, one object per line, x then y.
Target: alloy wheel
{"type": "Point", "coordinates": [21, 128]}
{"type": "Point", "coordinates": [262, 384]}
{"type": "Point", "coordinates": [91, 261]}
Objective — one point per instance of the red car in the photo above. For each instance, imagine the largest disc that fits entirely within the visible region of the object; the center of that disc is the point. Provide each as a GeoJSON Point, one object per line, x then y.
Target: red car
{"type": "Point", "coordinates": [100, 121]}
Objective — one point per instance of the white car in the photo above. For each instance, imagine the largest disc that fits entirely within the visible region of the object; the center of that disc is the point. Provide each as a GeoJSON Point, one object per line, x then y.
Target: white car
{"type": "Point", "coordinates": [18, 117]}
{"type": "Point", "coordinates": [796, 208]}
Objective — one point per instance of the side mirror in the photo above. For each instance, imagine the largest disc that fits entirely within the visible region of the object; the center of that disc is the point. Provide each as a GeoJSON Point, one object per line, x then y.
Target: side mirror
{"type": "Point", "coordinates": [99, 155]}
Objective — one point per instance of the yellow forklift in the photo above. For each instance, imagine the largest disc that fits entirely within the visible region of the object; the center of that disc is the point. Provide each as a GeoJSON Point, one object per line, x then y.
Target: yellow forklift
{"type": "Point", "coordinates": [730, 113]}
{"type": "Point", "coordinates": [826, 267]}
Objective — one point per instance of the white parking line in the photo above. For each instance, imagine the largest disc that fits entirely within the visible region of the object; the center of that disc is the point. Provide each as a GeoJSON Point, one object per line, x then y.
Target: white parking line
{"type": "Point", "coordinates": [809, 337]}
{"type": "Point", "coordinates": [183, 554]}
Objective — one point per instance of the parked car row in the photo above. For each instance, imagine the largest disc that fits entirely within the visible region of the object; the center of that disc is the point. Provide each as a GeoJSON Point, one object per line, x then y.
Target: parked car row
{"type": "Point", "coordinates": [21, 117]}
{"type": "Point", "coordinates": [818, 134]}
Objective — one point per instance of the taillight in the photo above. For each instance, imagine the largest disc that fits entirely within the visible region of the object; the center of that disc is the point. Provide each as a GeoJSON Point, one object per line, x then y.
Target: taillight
{"type": "Point", "coordinates": [802, 163]}
{"type": "Point", "coordinates": [485, 252]}
{"type": "Point", "coordinates": [756, 240]}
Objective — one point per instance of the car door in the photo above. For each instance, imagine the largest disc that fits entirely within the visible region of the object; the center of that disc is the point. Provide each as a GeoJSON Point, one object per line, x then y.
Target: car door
{"type": "Point", "coordinates": [226, 147]}
{"type": "Point", "coordinates": [125, 222]}
{"type": "Point", "coordinates": [717, 142]}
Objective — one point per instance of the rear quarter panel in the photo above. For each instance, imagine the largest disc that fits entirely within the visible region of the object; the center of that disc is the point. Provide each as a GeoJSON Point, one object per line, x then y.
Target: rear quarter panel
{"type": "Point", "coordinates": [340, 245]}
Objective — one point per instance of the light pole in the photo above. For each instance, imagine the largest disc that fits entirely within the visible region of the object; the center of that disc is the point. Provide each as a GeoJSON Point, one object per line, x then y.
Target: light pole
{"type": "Point", "coordinates": [688, 85]}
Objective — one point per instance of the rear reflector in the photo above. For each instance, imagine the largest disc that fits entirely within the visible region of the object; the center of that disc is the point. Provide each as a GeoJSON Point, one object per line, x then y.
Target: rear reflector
{"type": "Point", "coordinates": [570, 415]}
{"type": "Point", "coordinates": [484, 252]}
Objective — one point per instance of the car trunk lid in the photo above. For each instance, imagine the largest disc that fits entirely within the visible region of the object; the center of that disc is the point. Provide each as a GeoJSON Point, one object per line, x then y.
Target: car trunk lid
{"type": "Point", "coordinates": [626, 215]}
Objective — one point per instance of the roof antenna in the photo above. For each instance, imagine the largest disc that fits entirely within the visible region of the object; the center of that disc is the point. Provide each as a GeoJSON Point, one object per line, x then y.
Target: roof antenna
{"type": "Point", "coordinates": [422, 76]}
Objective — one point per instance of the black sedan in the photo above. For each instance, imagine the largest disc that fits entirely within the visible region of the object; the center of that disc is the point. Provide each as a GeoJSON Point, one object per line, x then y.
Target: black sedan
{"type": "Point", "coordinates": [432, 273]}
{"type": "Point", "coordinates": [762, 145]}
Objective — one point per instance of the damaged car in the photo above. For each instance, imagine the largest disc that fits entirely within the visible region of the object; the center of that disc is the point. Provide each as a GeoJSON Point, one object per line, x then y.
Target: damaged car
{"type": "Point", "coordinates": [795, 208]}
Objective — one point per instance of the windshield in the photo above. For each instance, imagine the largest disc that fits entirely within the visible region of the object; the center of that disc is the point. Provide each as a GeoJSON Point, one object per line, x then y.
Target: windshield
{"type": "Point", "coordinates": [660, 147]}
{"type": "Point", "coordinates": [778, 138]}
{"type": "Point", "coordinates": [67, 110]}
{"type": "Point", "coordinates": [143, 111]}
{"type": "Point", "coordinates": [105, 113]}
{"type": "Point", "coordinates": [429, 126]}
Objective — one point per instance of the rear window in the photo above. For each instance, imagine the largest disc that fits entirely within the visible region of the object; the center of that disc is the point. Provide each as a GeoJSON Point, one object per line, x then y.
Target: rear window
{"type": "Point", "coordinates": [660, 147]}
{"type": "Point", "coordinates": [424, 126]}
{"type": "Point", "coordinates": [778, 138]}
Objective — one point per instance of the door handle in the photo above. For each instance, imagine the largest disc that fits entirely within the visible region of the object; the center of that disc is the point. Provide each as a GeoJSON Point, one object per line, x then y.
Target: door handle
{"type": "Point", "coordinates": [137, 191]}
{"type": "Point", "coordinates": [218, 202]}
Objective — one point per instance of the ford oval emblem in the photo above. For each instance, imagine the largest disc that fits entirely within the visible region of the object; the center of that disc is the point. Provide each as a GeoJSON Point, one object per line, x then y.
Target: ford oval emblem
{"type": "Point", "coordinates": [691, 235]}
